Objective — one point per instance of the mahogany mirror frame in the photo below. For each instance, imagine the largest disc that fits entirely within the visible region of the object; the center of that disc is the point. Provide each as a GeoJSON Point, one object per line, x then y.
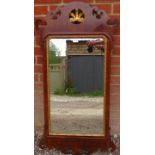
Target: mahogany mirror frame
{"type": "Point", "coordinates": [96, 24]}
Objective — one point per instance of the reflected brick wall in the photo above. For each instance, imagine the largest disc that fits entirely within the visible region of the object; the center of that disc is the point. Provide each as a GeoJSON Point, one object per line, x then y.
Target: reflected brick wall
{"type": "Point", "coordinates": [112, 7]}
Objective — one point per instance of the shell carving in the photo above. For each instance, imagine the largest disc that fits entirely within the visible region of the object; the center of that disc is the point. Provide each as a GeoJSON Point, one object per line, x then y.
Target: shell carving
{"type": "Point", "coordinates": [76, 16]}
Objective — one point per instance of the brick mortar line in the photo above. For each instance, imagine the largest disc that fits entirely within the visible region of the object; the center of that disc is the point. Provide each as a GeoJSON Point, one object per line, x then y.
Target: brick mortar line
{"type": "Point", "coordinates": [38, 74]}
{"type": "Point", "coordinates": [116, 2]}
{"type": "Point", "coordinates": [117, 118]}
{"type": "Point", "coordinates": [48, 8]}
{"type": "Point", "coordinates": [113, 123]}
{"type": "Point", "coordinates": [38, 82]}
{"type": "Point", "coordinates": [116, 75]}
{"type": "Point", "coordinates": [116, 56]}
{"type": "Point", "coordinates": [116, 106]}
{"type": "Point", "coordinates": [112, 8]}
{"type": "Point", "coordinates": [40, 15]}
{"type": "Point", "coordinates": [38, 46]}
{"type": "Point", "coordinates": [116, 110]}
{"type": "Point", "coordinates": [39, 91]}
{"type": "Point", "coordinates": [114, 118]}
{"type": "Point", "coordinates": [65, 3]}
{"type": "Point", "coordinates": [116, 14]}
{"type": "Point", "coordinates": [115, 65]}
{"type": "Point", "coordinates": [39, 56]}
{"type": "Point", "coordinates": [49, 4]}
{"type": "Point", "coordinates": [39, 79]}
{"type": "Point", "coordinates": [102, 3]}
{"type": "Point", "coordinates": [38, 64]}
{"type": "Point", "coordinates": [111, 75]}
{"type": "Point", "coordinates": [34, 42]}
{"type": "Point", "coordinates": [115, 101]}
{"type": "Point", "coordinates": [116, 115]}
{"type": "Point", "coordinates": [108, 13]}
{"type": "Point", "coordinates": [116, 95]}
{"type": "Point", "coordinates": [111, 84]}
{"type": "Point", "coordinates": [116, 84]}
{"type": "Point", "coordinates": [41, 5]}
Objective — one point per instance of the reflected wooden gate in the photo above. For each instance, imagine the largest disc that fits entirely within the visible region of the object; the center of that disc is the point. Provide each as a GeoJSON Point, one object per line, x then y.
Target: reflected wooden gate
{"type": "Point", "coordinates": [91, 72]}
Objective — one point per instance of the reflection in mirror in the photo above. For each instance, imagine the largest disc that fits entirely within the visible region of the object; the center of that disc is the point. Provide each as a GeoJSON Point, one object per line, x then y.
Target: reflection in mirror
{"type": "Point", "coordinates": [76, 86]}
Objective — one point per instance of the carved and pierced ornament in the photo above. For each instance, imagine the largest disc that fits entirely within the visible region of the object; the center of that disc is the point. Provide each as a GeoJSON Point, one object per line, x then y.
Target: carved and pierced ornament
{"type": "Point", "coordinates": [76, 16]}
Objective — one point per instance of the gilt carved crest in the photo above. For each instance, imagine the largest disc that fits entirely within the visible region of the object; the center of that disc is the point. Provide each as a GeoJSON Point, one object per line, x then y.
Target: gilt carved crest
{"type": "Point", "coordinates": [76, 18]}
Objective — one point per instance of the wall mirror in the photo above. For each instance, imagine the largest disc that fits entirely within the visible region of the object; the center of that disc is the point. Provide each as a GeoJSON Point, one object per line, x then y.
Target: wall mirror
{"type": "Point", "coordinates": [76, 86]}
{"type": "Point", "coordinates": [76, 43]}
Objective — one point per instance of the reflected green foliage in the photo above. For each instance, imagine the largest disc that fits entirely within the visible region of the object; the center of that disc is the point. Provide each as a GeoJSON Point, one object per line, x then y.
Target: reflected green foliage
{"type": "Point", "coordinates": [71, 91]}
{"type": "Point", "coordinates": [59, 92]}
{"type": "Point", "coordinates": [94, 93]}
{"type": "Point", "coordinates": [54, 54]}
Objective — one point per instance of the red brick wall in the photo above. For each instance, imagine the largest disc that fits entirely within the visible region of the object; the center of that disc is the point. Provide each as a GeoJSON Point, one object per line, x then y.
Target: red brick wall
{"type": "Point", "coordinates": [112, 7]}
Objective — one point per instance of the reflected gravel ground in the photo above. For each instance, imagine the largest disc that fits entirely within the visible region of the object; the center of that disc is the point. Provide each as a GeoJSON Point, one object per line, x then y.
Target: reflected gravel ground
{"type": "Point", "coordinates": [45, 151]}
{"type": "Point", "coordinates": [76, 115]}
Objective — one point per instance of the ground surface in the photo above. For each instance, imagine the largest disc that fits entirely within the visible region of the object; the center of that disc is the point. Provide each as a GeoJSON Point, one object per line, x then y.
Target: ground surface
{"type": "Point", "coordinates": [76, 115]}
{"type": "Point", "coordinates": [46, 151]}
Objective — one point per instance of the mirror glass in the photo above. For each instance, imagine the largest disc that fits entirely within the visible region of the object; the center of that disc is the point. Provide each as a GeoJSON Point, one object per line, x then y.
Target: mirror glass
{"type": "Point", "coordinates": [76, 86]}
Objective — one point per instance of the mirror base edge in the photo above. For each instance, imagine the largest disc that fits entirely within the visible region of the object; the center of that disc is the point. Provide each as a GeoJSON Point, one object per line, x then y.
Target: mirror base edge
{"type": "Point", "coordinates": [77, 145]}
